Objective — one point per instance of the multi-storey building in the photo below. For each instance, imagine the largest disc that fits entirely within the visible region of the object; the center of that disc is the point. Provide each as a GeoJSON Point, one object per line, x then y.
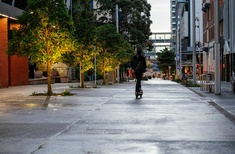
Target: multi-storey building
{"type": "Point", "coordinates": [226, 32]}
{"type": "Point", "coordinates": [205, 33]}
{"type": "Point", "coordinates": [185, 33]}
{"type": "Point", "coordinates": [173, 17]}
{"type": "Point", "coordinates": [226, 27]}
{"type": "Point", "coordinates": [209, 36]}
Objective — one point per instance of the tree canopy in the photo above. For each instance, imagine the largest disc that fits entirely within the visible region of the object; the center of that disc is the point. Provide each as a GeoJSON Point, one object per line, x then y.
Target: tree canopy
{"type": "Point", "coordinates": [113, 49]}
{"type": "Point", "coordinates": [45, 33]}
{"type": "Point", "coordinates": [134, 18]}
{"type": "Point", "coordinates": [84, 21]}
{"type": "Point", "coordinates": [48, 34]}
{"type": "Point", "coordinates": [165, 58]}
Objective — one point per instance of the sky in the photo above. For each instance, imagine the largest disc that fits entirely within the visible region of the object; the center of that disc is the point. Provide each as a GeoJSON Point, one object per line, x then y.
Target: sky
{"type": "Point", "coordinates": [160, 15]}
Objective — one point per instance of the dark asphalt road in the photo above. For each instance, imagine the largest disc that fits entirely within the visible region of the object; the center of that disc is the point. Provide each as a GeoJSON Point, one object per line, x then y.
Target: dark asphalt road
{"type": "Point", "coordinates": [169, 119]}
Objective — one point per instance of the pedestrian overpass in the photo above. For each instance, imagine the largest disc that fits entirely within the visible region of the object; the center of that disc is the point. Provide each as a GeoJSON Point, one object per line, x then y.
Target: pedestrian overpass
{"type": "Point", "coordinates": [162, 38]}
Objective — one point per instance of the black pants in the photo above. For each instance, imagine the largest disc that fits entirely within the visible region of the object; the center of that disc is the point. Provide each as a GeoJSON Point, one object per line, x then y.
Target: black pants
{"type": "Point", "coordinates": [138, 82]}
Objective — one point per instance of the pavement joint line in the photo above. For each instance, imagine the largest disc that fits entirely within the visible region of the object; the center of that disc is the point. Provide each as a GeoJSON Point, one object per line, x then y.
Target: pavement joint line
{"type": "Point", "coordinates": [227, 114]}
{"type": "Point", "coordinates": [69, 126]}
{"type": "Point", "coordinates": [57, 134]}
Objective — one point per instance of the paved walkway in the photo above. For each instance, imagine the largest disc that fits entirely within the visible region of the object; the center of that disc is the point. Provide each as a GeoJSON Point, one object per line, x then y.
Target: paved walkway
{"type": "Point", "coordinates": [225, 101]}
{"type": "Point", "coordinates": [169, 118]}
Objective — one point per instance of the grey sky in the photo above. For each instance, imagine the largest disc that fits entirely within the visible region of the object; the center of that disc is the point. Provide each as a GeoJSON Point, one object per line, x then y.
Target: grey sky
{"type": "Point", "coordinates": [160, 15]}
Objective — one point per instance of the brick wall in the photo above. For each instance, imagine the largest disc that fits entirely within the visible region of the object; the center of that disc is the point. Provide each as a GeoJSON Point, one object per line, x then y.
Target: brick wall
{"type": "Point", "coordinates": [208, 23]}
{"type": "Point", "coordinates": [4, 75]}
{"type": "Point", "coordinates": [19, 73]}
{"type": "Point", "coordinates": [13, 70]}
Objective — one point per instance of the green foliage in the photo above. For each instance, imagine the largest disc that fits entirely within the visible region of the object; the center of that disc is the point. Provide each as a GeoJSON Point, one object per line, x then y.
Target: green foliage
{"type": "Point", "coordinates": [113, 49]}
{"type": "Point", "coordinates": [165, 59]}
{"type": "Point", "coordinates": [45, 33]}
{"type": "Point", "coordinates": [64, 93]}
{"type": "Point", "coordinates": [177, 80]}
{"type": "Point", "coordinates": [134, 18]}
{"type": "Point", "coordinates": [112, 46]}
{"type": "Point", "coordinates": [189, 83]}
{"type": "Point", "coordinates": [84, 22]}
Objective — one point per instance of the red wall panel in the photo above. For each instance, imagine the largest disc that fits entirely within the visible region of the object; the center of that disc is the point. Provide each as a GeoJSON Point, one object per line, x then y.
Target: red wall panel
{"type": "Point", "coordinates": [4, 75]}
{"type": "Point", "coordinates": [13, 70]}
{"type": "Point", "coordinates": [19, 71]}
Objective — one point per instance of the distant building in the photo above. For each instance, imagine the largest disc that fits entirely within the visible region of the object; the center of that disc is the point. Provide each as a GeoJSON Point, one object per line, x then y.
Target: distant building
{"type": "Point", "coordinates": [174, 21]}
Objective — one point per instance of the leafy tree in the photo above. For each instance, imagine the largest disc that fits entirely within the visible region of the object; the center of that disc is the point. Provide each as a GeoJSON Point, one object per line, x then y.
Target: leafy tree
{"type": "Point", "coordinates": [113, 49]}
{"type": "Point", "coordinates": [134, 18]}
{"type": "Point", "coordinates": [85, 33]}
{"type": "Point", "coordinates": [165, 59]}
{"type": "Point", "coordinates": [123, 54]}
{"type": "Point", "coordinates": [45, 33]}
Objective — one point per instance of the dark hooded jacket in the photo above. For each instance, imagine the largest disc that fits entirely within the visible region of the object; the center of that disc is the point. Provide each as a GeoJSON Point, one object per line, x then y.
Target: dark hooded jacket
{"type": "Point", "coordinates": [138, 63]}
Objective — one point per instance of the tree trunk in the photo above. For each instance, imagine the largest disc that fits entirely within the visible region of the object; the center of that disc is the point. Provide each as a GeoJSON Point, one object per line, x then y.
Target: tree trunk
{"type": "Point", "coordinates": [49, 89]}
{"type": "Point", "coordinates": [115, 75]}
{"type": "Point", "coordinates": [104, 74]}
{"type": "Point", "coordinates": [104, 77]}
{"type": "Point", "coordinates": [82, 76]}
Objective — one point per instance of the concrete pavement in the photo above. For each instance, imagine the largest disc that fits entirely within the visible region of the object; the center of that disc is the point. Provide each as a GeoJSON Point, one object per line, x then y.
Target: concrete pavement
{"type": "Point", "coordinates": [225, 101]}
{"type": "Point", "coordinates": [169, 119]}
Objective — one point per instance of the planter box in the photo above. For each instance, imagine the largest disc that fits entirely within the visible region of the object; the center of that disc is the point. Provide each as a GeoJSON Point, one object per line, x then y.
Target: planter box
{"type": "Point", "coordinates": [40, 81]}
{"type": "Point", "coordinates": [59, 79]}
{"type": "Point", "coordinates": [38, 74]}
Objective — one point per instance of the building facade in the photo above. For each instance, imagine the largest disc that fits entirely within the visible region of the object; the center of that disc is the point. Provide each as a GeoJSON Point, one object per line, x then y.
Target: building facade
{"type": "Point", "coordinates": [13, 70]}
{"type": "Point", "coordinates": [174, 21]}
{"type": "Point", "coordinates": [226, 37]}
{"type": "Point", "coordinates": [209, 37]}
{"type": "Point", "coordinates": [185, 36]}
{"type": "Point", "coordinates": [228, 29]}
{"type": "Point", "coordinates": [205, 37]}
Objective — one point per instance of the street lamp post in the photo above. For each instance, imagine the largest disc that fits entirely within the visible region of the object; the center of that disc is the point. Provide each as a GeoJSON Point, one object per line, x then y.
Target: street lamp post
{"type": "Point", "coordinates": [199, 46]}
{"type": "Point", "coordinates": [193, 42]}
{"type": "Point", "coordinates": [117, 26]}
{"type": "Point", "coordinates": [217, 49]}
{"type": "Point", "coordinates": [177, 49]}
{"type": "Point", "coordinates": [180, 54]}
{"type": "Point", "coordinates": [95, 67]}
